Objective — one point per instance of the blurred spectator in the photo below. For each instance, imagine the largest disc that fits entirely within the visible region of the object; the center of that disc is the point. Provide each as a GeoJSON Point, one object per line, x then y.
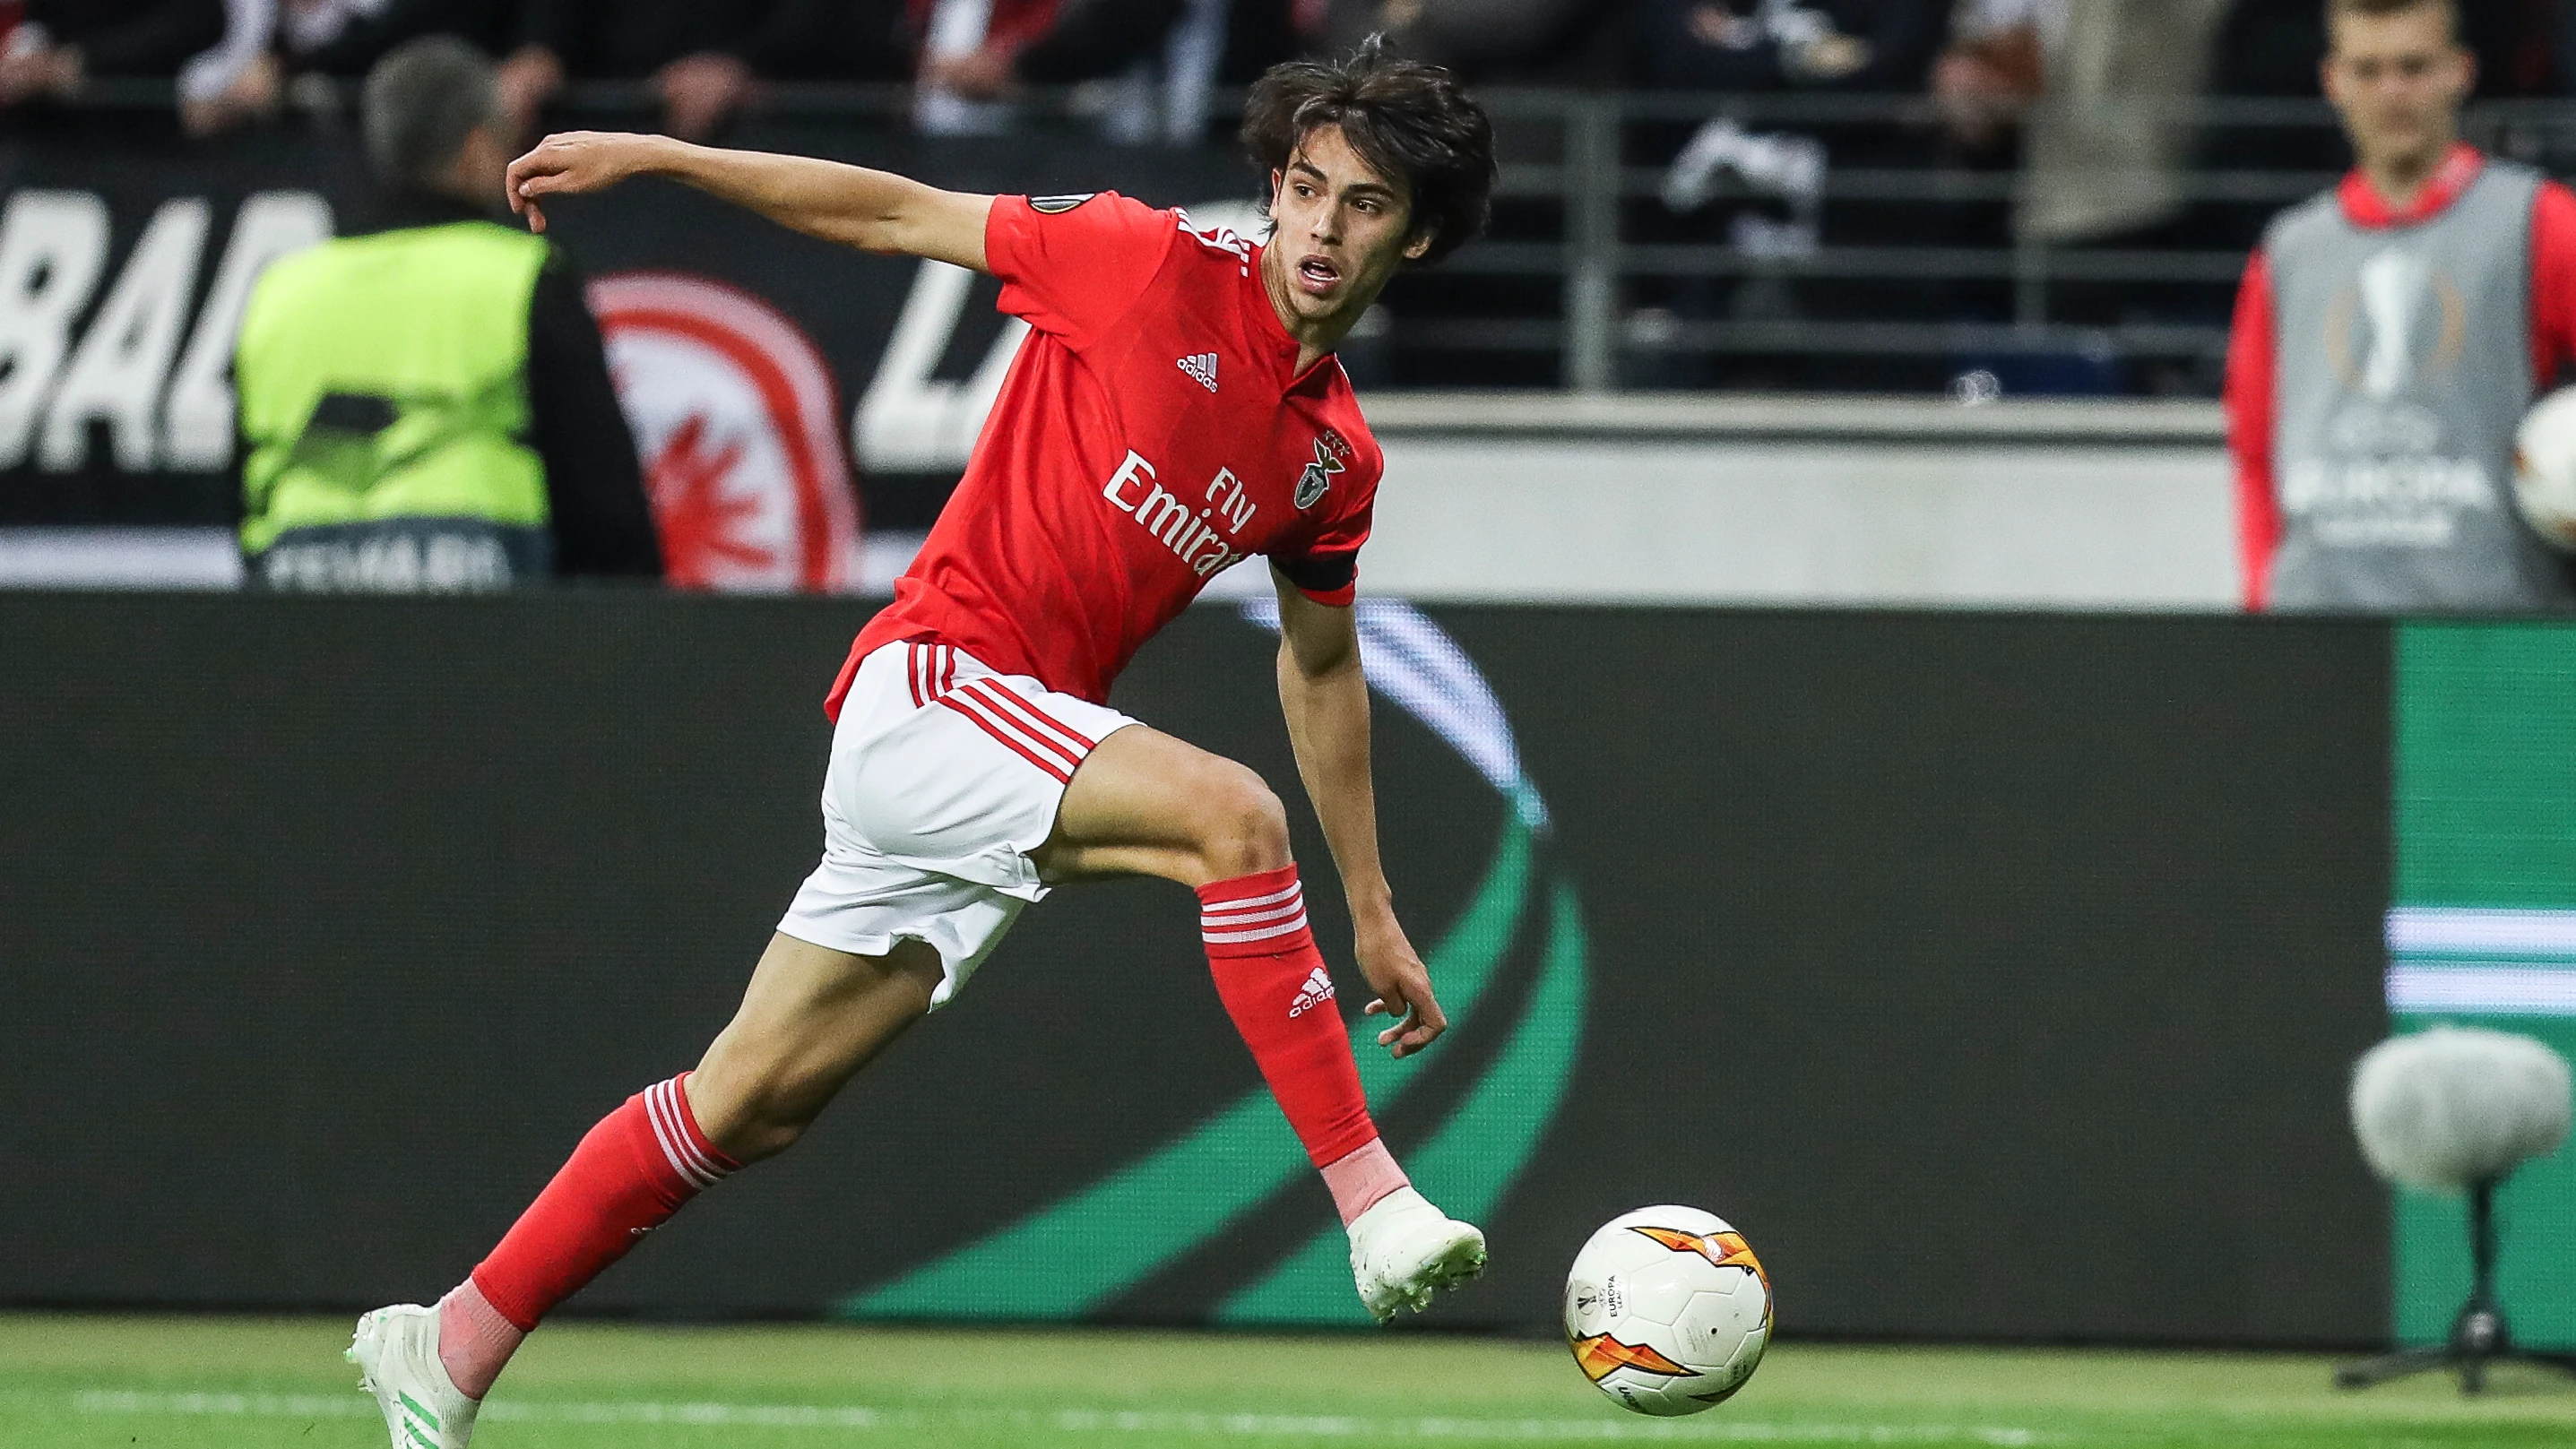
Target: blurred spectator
{"type": "Point", "coordinates": [1993, 67]}
{"type": "Point", "coordinates": [2389, 335]}
{"type": "Point", "coordinates": [468, 435]}
{"type": "Point", "coordinates": [346, 38]}
{"type": "Point", "coordinates": [267, 41]}
{"type": "Point", "coordinates": [703, 60]}
{"type": "Point", "coordinates": [971, 40]}
{"type": "Point", "coordinates": [1763, 192]}
{"type": "Point", "coordinates": [1478, 37]}
{"type": "Point", "coordinates": [2105, 153]}
{"type": "Point", "coordinates": [60, 43]}
{"type": "Point", "coordinates": [1170, 54]}
{"type": "Point", "coordinates": [1771, 45]}
{"type": "Point", "coordinates": [232, 81]}
{"type": "Point", "coordinates": [1777, 45]}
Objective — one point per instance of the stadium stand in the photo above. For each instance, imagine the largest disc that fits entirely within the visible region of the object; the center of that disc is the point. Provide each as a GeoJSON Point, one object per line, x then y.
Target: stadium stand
{"type": "Point", "coordinates": [1861, 195]}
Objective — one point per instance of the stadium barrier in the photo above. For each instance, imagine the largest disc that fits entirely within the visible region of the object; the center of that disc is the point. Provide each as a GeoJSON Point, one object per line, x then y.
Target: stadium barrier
{"type": "Point", "coordinates": [125, 282]}
{"type": "Point", "coordinates": [1998, 975]}
{"type": "Point", "coordinates": [1675, 500]}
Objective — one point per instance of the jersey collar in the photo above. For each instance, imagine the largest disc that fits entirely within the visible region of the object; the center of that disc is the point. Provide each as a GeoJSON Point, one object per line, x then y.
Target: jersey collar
{"type": "Point", "coordinates": [2366, 208]}
{"type": "Point", "coordinates": [1269, 336]}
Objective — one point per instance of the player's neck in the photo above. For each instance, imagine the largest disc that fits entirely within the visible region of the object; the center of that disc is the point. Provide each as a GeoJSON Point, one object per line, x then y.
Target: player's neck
{"type": "Point", "coordinates": [2400, 176]}
{"type": "Point", "coordinates": [1317, 336]}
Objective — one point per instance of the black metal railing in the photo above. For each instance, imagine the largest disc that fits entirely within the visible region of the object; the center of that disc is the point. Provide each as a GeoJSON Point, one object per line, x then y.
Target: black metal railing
{"type": "Point", "coordinates": [1894, 256]}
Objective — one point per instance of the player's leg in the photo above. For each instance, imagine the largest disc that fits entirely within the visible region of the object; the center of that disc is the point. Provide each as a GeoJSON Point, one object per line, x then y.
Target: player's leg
{"type": "Point", "coordinates": [1144, 803]}
{"type": "Point", "coordinates": [809, 1020]}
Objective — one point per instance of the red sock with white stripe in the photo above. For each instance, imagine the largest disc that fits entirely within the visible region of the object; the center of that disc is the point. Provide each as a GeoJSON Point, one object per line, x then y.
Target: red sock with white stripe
{"type": "Point", "coordinates": [1274, 985]}
{"type": "Point", "coordinates": [630, 1173]}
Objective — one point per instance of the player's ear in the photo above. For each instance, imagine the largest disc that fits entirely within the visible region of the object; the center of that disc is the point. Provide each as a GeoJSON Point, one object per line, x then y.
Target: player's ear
{"type": "Point", "coordinates": [1270, 207]}
{"type": "Point", "coordinates": [1419, 243]}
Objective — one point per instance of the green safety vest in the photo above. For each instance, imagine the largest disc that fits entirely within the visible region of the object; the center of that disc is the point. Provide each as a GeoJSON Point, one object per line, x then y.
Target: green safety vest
{"type": "Point", "coordinates": [384, 402]}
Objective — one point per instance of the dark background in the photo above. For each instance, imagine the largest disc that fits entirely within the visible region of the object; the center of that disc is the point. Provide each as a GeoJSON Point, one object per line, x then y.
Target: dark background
{"type": "Point", "coordinates": [846, 301]}
{"type": "Point", "coordinates": [1998, 975]}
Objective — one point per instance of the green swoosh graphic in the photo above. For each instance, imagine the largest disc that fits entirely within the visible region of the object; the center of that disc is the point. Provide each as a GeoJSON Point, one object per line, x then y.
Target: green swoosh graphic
{"type": "Point", "coordinates": [1472, 1160]}
{"type": "Point", "coordinates": [1062, 1259]}
{"type": "Point", "coordinates": [1462, 965]}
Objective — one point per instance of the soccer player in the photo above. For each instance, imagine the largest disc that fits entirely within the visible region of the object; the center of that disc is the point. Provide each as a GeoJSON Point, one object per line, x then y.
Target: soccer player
{"type": "Point", "coordinates": [1175, 409]}
{"type": "Point", "coordinates": [2389, 335]}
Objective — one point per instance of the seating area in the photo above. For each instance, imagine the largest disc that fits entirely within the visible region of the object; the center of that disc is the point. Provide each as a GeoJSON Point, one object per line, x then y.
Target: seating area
{"type": "Point", "coordinates": [1983, 198]}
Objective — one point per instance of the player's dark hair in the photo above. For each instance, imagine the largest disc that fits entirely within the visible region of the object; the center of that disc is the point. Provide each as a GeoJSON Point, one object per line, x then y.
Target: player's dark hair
{"type": "Point", "coordinates": [1412, 123]}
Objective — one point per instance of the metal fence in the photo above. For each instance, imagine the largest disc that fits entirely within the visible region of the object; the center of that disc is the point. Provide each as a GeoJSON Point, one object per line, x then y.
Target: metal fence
{"type": "Point", "coordinates": [1982, 288]}
{"type": "Point", "coordinates": [1799, 242]}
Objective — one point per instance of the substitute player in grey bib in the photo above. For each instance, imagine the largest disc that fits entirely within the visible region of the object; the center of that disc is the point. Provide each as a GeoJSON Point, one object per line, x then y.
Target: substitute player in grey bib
{"type": "Point", "coordinates": [2403, 367]}
{"type": "Point", "coordinates": [2388, 338]}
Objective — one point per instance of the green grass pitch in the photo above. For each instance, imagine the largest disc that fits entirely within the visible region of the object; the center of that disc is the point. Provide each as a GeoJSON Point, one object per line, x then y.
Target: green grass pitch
{"type": "Point", "coordinates": [217, 1383]}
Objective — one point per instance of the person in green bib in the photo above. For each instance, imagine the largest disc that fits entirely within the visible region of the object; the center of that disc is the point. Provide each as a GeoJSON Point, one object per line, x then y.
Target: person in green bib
{"type": "Point", "coordinates": [425, 407]}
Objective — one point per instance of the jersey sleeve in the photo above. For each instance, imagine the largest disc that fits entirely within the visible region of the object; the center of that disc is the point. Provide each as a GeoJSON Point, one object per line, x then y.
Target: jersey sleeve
{"type": "Point", "coordinates": [2251, 384]}
{"type": "Point", "coordinates": [2553, 284]}
{"type": "Point", "coordinates": [1326, 566]}
{"type": "Point", "coordinates": [1073, 266]}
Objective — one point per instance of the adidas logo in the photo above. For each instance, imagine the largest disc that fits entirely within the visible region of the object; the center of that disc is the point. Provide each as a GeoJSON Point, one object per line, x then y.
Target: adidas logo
{"type": "Point", "coordinates": [1317, 990]}
{"type": "Point", "coordinates": [1201, 365]}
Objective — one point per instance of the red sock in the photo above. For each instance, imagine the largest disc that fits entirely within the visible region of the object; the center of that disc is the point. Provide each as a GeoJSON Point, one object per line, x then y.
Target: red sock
{"type": "Point", "coordinates": [1274, 985]}
{"type": "Point", "coordinates": [626, 1178]}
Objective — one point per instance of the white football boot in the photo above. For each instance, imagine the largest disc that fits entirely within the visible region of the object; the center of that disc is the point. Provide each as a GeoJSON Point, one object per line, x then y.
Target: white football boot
{"type": "Point", "coordinates": [1403, 1250]}
{"type": "Point", "coordinates": [396, 1351]}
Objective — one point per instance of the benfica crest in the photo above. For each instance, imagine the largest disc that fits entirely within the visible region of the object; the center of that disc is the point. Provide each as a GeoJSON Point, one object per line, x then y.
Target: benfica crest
{"type": "Point", "coordinates": [1318, 475]}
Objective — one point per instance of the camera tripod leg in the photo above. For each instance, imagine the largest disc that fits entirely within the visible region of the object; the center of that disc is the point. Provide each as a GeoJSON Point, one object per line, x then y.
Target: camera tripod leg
{"type": "Point", "coordinates": [2389, 1366]}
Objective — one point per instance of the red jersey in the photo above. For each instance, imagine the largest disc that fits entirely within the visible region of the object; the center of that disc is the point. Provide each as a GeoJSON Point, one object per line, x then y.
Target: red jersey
{"type": "Point", "coordinates": [1153, 431]}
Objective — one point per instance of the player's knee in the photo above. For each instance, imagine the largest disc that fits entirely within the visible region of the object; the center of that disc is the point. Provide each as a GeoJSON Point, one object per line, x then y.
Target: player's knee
{"type": "Point", "coordinates": [1246, 828]}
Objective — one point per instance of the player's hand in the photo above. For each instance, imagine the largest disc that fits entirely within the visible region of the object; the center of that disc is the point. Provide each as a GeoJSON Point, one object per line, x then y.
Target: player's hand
{"type": "Point", "coordinates": [1403, 986]}
{"type": "Point", "coordinates": [572, 162]}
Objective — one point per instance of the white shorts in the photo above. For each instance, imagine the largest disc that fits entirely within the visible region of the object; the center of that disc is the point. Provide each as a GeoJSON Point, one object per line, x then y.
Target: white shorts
{"type": "Point", "coordinates": [945, 776]}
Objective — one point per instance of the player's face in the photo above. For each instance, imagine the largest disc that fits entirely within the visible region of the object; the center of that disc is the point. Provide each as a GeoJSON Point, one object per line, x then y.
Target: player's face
{"type": "Point", "coordinates": [1342, 229]}
{"type": "Point", "coordinates": [2398, 81]}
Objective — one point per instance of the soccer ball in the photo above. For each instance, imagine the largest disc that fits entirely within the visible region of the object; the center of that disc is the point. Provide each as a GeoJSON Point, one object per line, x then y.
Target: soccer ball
{"type": "Point", "coordinates": [1667, 1310]}
{"type": "Point", "coordinates": [2544, 469]}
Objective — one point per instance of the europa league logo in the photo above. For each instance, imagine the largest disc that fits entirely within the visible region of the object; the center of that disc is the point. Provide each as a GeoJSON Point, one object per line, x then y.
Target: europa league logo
{"type": "Point", "coordinates": [2376, 335]}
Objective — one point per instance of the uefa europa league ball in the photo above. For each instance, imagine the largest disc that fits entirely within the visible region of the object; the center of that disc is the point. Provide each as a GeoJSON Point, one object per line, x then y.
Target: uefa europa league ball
{"type": "Point", "coordinates": [2544, 469]}
{"type": "Point", "coordinates": [1667, 1310]}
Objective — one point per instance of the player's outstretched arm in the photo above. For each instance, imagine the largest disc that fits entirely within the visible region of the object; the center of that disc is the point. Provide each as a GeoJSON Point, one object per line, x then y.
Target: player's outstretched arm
{"type": "Point", "coordinates": [875, 211]}
{"type": "Point", "coordinates": [1325, 698]}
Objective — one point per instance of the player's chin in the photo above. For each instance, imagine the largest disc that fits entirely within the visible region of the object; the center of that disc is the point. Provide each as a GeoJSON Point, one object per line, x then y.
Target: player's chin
{"type": "Point", "coordinates": [1326, 305]}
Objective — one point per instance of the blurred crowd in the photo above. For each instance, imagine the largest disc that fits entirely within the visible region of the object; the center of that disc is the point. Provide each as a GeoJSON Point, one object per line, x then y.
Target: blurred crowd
{"type": "Point", "coordinates": [235, 60]}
